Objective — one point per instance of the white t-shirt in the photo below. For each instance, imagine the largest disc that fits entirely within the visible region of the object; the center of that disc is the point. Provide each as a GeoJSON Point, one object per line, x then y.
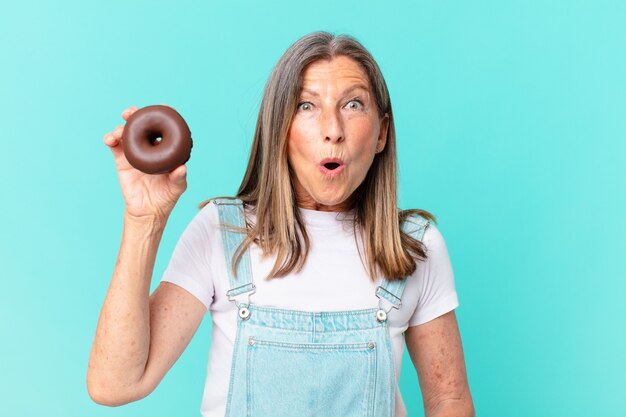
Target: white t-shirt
{"type": "Point", "coordinates": [332, 279]}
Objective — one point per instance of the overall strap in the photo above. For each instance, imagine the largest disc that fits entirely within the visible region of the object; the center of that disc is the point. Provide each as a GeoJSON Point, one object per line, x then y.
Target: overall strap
{"type": "Point", "coordinates": [391, 291]}
{"type": "Point", "coordinates": [231, 212]}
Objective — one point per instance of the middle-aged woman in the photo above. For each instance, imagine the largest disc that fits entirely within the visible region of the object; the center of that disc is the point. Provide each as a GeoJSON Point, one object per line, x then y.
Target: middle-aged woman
{"type": "Point", "coordinates": [313, 277]}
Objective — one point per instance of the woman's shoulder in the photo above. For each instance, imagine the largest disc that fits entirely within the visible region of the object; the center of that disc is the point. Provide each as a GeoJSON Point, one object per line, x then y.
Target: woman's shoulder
{"type": "Point", "coordinates": [423, 225]}
{"type": "Point", "coordinates": [416, 222]}
{"type": "Point", "coordinates": [417, 219]}
{"type": "Point", "coordinates": [213, 209]}
{"type": "Point", "coordinates": [206, 219]}
{"type": "Point", "coordinates": [433, 239]}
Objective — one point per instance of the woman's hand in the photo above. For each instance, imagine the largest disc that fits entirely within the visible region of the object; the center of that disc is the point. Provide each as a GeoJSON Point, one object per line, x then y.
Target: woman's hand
{"type": "Point", "coordinates": [147, 196]}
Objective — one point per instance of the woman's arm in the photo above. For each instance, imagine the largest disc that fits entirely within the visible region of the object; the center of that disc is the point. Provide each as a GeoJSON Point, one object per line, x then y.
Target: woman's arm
{"type": "Point", "coordinates": [139, 337]}
{"type": "Point", "coordinates": [437, 354]}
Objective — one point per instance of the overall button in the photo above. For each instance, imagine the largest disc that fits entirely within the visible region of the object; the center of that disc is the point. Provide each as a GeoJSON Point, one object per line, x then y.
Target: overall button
{"type": "Point", "coordinates": [244, 313]}
{"type": "Point", "coordinates": [371, 345]}
{"type": "Point", "coordinates": [251, 340]}
{"type": "Point", "coordinates": [381, 315]}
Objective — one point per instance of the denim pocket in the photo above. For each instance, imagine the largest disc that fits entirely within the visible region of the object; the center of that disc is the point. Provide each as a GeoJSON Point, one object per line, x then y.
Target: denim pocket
{"type": "Point", "coordinates": [310, 379]}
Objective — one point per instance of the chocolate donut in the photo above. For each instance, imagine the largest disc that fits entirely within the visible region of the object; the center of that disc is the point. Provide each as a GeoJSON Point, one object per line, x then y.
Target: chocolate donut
{"type": "Point", "coordinates": [141, 147]}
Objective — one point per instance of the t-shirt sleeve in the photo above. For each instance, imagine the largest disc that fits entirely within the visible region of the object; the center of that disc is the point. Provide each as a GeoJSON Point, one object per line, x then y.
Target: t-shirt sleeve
{"type": "Point", "coordinates": [189, 265]}
{"type": "Point", "coordinates": [437, 293]}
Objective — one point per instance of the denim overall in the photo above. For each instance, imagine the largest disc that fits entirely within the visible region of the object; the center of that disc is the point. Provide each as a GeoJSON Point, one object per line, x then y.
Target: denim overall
{"type": "Point", "coordinates": [291, 363]}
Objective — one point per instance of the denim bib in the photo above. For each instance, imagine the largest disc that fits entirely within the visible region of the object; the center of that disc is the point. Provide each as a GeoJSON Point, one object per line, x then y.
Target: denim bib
{"type": "Point", "coordinates": [289, 363]}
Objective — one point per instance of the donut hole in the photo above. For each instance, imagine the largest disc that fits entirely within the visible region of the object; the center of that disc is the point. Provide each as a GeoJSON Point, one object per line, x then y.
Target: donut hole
{"type": "Point", "coordinates": [154, 138]}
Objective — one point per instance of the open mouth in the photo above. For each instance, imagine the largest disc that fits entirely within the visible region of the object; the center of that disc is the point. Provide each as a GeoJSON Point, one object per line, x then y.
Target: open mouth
{"type": "Point", "coordinates": [331, 167]}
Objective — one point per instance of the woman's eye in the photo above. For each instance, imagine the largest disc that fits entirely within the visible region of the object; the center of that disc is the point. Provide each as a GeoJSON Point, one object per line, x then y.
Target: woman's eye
{"type": "Point", "coordinates": [355, 104]}
{"type": "Point", "coordinates": [305, 105]}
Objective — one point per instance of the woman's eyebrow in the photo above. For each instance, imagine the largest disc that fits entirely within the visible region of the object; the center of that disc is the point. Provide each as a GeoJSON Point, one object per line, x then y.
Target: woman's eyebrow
{"type": "Point", "coordinates": [346, 91]}
{"type": "Point", "coordinates": [356, 87]}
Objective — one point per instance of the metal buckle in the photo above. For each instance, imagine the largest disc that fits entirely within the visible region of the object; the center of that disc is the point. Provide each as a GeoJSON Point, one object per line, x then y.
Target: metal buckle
{"type": "Point", "coordinates": [247, 293]}
{"type": "Point", "coordinates": [380, 299]}
{"type": "Point", "coordinates": [226, 202]}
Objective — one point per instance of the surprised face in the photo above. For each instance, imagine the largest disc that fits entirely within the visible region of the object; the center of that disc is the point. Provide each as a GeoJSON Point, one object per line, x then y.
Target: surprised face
{"type": "Point", "coordinates": [335, 134]}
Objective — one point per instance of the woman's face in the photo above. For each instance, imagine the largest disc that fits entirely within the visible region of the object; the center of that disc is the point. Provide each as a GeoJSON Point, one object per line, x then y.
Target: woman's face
{"type": "Point", "coordinates": [334, 135]}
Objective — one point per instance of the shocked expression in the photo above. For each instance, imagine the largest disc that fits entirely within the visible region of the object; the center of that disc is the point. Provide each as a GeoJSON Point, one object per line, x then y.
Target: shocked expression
{"type": "Point", "coordinates": [335, 134]}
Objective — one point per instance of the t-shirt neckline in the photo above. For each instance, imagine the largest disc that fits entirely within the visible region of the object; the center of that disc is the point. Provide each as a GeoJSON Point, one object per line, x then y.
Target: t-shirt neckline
{"type": "Point", "coordinates": [323, 219]}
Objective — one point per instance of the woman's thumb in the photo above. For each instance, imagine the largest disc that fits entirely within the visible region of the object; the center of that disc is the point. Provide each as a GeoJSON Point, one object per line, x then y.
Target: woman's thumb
{"type": "Point", "coordinates": [179, 174]}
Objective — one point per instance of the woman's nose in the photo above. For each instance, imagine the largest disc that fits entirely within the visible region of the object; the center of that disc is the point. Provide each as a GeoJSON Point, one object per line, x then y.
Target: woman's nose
{"type": "Point", "coordinates": [332, 127]}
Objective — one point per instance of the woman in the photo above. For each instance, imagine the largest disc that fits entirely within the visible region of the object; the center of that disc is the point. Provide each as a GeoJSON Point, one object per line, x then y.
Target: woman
{"type": "Point", "coordinates": [312, 275]}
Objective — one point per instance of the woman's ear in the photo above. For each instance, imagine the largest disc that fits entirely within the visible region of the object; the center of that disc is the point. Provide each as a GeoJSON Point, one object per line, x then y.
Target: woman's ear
{"type": "Point", "coordinates": [382, 135]}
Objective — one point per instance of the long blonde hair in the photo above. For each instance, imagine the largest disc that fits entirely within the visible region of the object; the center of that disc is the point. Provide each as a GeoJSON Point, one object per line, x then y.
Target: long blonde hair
{"type": "Point", "coordinates": [267, 187]}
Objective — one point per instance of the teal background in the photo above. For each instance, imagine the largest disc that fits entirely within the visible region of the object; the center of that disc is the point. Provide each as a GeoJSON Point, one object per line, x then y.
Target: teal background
{"type": "Point", "coordinates": [511, 129]}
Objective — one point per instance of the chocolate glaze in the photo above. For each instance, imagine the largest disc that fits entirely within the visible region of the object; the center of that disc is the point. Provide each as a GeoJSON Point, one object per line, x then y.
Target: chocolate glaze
{"type": "Point", "coordinates": [141, 148]}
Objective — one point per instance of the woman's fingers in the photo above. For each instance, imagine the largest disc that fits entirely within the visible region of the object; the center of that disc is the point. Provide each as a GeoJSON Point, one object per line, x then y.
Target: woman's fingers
{"type": "Point", "coordinates": [112, 142]}
{"type": "Point", "coordinates": [129, 112]}
{"type": "Point", "coordinates": [117, 133]}
{"type": "Point", "coordinates": [113, 139]}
